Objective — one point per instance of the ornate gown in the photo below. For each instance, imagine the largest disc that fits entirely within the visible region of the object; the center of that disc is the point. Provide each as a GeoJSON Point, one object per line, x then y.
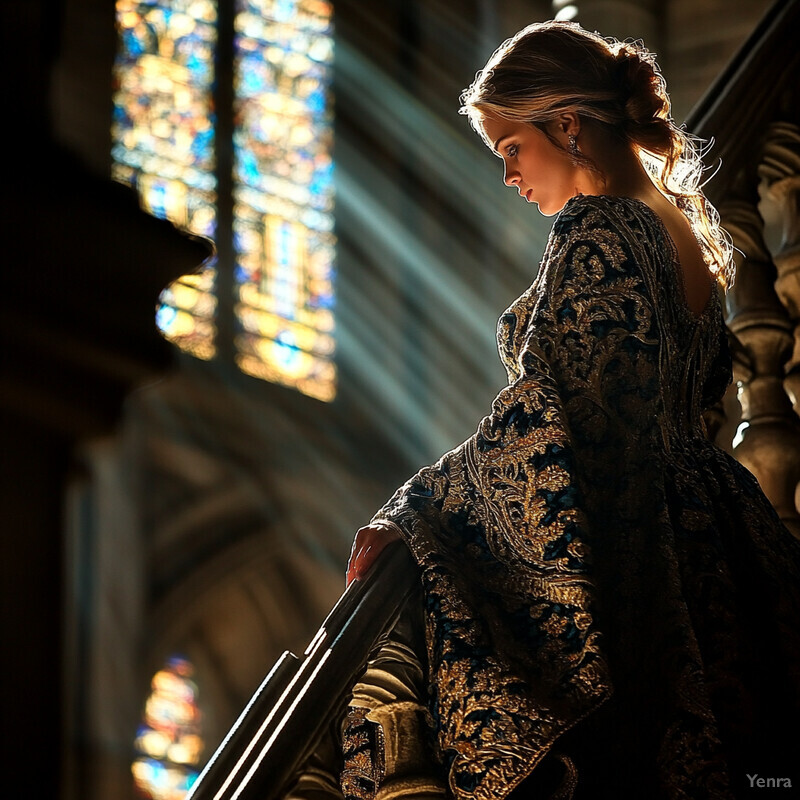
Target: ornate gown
{"type": "Point", "coordinates": [611, 604]}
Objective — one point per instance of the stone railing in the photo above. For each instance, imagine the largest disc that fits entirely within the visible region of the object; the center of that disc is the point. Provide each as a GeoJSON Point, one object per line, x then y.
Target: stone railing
{"type": "Point", "coordinates": [751, 114]}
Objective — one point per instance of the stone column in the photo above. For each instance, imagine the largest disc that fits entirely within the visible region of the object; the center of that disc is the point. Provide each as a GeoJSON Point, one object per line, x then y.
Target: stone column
{"type": "Point", "coordinates": [768, 439]}
{"type": "Point", "coordinates": [780, 171]}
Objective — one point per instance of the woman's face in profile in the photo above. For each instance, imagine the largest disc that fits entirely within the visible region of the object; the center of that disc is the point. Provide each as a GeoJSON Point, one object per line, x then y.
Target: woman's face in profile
{"type": "Point", "coordinates": [541, 172]}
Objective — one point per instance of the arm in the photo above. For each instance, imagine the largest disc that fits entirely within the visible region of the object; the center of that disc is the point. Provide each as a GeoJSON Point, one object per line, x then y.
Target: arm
{"type": "Point", "coordinates": [587, 381]}
{"type": "Point", "coordinates": [499, 525]}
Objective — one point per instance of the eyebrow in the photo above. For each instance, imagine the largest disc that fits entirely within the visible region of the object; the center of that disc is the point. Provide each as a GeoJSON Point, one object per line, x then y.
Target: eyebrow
{"type": "Point", "coordinates": [501, 139]}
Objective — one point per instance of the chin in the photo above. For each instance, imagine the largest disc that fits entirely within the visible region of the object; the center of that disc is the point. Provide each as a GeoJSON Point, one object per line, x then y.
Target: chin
{"type": "Point", "coordinates": [550, 208]}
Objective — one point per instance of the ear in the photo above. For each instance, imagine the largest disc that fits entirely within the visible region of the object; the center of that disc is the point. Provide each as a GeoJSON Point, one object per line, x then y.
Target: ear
{"type": "Point", "coordinates": [568, 123]}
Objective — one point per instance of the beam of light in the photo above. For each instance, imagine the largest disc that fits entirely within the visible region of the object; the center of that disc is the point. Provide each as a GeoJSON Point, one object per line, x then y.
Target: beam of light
{"type": "Point", "coordinates": [564, 10]}
{"type": "Point", "coordinates": [445, 151]}
{"type": "Point", "coordinates": [406, 236]}
{"type": "Point", "coordinates": [567, 12]}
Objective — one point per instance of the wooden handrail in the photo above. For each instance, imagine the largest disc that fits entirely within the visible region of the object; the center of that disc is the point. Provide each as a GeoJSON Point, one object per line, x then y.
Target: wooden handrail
{"type": "Point", "coordinates": [282, 724]}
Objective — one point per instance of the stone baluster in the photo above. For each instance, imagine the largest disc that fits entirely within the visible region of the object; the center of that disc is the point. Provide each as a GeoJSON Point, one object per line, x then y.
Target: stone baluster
{"type": "Point", "coordinates": [780, 171]}
{"type": "Point", "coordinates": [768, 439]}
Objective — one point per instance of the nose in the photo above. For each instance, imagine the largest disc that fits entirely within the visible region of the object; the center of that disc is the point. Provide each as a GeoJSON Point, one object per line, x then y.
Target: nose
{"type": "Point", "coordinates": [510, 176]}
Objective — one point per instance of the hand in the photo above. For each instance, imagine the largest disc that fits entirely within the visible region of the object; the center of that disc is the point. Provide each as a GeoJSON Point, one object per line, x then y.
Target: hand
{"type": "Point", "coordinates": [369, 542]}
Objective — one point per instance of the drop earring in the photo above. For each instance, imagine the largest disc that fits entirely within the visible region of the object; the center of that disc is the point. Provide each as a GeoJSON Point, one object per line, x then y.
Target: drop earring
{"type": "Point", "coordinates": [573, 144]}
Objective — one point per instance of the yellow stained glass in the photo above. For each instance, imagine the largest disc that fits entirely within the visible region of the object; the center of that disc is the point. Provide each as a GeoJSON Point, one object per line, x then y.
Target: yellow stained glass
{"type": "Point", "coordinates": [169, 744]}
{"type": "Point", "coordinates": [283, 196]}
{"type": "Point", "coordinates": [163, 140]}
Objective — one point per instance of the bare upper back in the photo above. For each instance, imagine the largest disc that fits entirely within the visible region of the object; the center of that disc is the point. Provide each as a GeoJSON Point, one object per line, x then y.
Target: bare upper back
{"type": "Point", "coordinates": [697, 280]}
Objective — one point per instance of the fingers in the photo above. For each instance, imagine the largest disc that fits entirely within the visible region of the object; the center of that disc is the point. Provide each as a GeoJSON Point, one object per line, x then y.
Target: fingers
{"type": "Point", "coordinates": [354, 564]}
{"type": "Point", "coordinates": [361, 562]}
{"type": "Point", "coordinates": [352, 571]}
{"type": "Point", "coordinates": [368, 543]}
{"type": "Point", "coordinates": [361, 540]}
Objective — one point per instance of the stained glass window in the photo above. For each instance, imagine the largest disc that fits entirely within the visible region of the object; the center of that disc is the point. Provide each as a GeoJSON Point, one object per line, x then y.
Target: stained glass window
{"type": "Point", "coordinates": [283, 195]}
{"type": "Point", "coordinates": [168, 743]}
{"type": "Point", "coordinates": [163, 134]}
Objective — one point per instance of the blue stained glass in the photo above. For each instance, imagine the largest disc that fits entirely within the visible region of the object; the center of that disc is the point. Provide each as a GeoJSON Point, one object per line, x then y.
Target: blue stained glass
{"type": "Point", "coordinates": [132, 43]}
{"type": "Point", "coordinates": [256, 76]}
{"type": "Point", "coordinates": [284, 10]}
{"type": "Point", "coordinates": [287, 355]}
{"type": "Point", "coordinates": [158, 772]}
{"type": "Point", "coordinates": [165, 316]}
{"type": "Point", "coordinates": [316, 102]}
{"type": "Point", "coordinates": [249, 166]}
{"type": "Point", "coordinates": [321, 182]}
{"type": "Point", "coordinates": [188, 781]}
{"type": "Point", "coordinates": [252, 82]}
{"type": "Point", "coordinates": [202, 141]}
{"type": "Point", "coordinates": [157, 203]}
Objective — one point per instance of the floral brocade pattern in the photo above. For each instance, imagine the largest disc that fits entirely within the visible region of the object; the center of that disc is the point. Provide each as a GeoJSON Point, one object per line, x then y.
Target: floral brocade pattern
{"type": "Point", "coordinates": [362, 752]}
{"type": "Point", "coordinates": [604, 588]}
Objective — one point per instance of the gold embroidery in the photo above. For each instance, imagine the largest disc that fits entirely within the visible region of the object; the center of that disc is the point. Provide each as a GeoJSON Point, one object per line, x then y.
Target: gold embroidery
{"type": "Point", "coordinates": [574, 520]}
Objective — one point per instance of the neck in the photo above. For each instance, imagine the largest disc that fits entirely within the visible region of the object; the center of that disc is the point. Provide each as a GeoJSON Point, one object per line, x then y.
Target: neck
{"type": "Point", "coordinates": [622, 172]}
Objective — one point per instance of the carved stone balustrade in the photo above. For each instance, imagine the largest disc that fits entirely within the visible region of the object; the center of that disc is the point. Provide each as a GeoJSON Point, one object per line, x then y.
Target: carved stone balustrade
{"type": "Point", "coordinates": [780, 172]}
{"type": "Point", "coordinates": [768, 439]}
{"type": "Point", "coordinates": [740, 113]}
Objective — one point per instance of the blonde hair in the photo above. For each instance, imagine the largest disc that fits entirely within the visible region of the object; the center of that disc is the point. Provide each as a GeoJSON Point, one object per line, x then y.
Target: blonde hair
{"type": "Point", "coordinates": [551, 67]}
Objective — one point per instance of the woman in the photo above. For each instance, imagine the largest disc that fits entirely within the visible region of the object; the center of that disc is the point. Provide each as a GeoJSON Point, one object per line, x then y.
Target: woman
{"type": "Point", "coordinates": [610, 602]}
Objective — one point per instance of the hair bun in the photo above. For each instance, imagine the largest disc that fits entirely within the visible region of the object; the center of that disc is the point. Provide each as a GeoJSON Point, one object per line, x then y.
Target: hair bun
{"type": "Point", "coordinates": [550, 67]}
{"type": "Point", "coordinates": [642, 94]}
